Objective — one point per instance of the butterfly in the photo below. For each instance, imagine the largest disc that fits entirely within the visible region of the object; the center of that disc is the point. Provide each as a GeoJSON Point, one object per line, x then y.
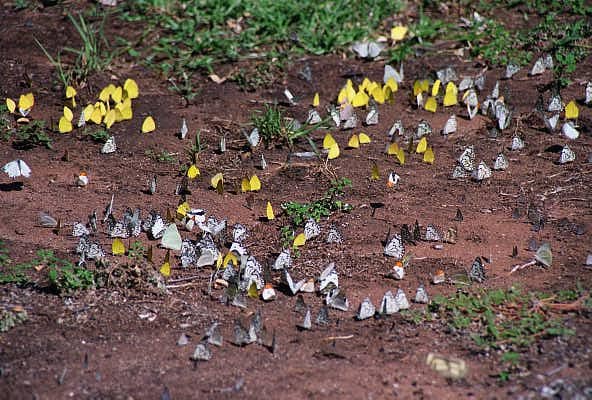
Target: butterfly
{"type": "Point", "coordinates": [551, 122]}
{"type": "Point", "coordinates": [466, 83]}
{"type": "Point", "coordinates": [501, 162]}
{"type": "Point", "coordinates": [450, 126]}
{"type": "Point", "coordinates": [450, 235]}
{"type": "Point", "coordinates": [570, 131]}
{"type": "Point", "coordinates": [252, 273]}
{"type": "Point", "coordinates": [351, 122]}
{"type": "Point", "coordinates": [480, 82]}
{"type": "Point", "coordinates": [213, 335]}
{"type": "Point", "coordinates": [459, 172]}
{"type": "Point", "coordinates": [395, 248]}
{"type": "Point", "coordinates": [511, 70]}
{"type": "Point", "coordinates": [289, 96]}
{"type": "Point", "coordinates": [567, 155]}
{"type": "Point", "coordinates": [263, 162]}
{"type": "Point", "coordinates": [438, 277]}
{"type": "Point", "coordinates": [89, 250]}
{"type": "Point", "coordinates": [422, 145]}
{"type": "Point", "coordinates": [171, 239]}
{"type": "Point", "coordinates": [503, 115]}
{"type": "Point", "coordinates": [388, 304]}
{"type": "Point", "coordinates": [421, 296]}
{"type": "Point", "coordinates": [555, 104]}
{"type": "Point", "coordinates": [109, 146]}
{"type": "Point", "coordinates": [47, 221]}
{"type": "Point", "coordinates": [392, 180]}
{"type": "Point", "coordinates": [294, 287]}
{"type": "Point", "coordinates": [365, 310]}
{"type": "Point", "coordinates": [481, 172]}
{"type": "Point", "coordinates": [356, 139]}
{"type": "Point", "coordinates": [217, 182]}
{"type": "Point", "coordinates": [538, 67]}
{"type": "Point", "coordinates": [517, 143]}
{"type": "Point", "coordinates": [306, 323]}
{"type": "Point", "coordinates": [334, 236]}
{"type": "Point", "coordinates": [79, 230]}
{"type": "Point", "coordinates": [446, 75]}
{"type": "Point", "coordinates": [109, 209]}
{"type": "Point", "coordinates": [117, 247]}
{"type": "Point", "coordinates": [406, 235]}
{"type": "Point", "coordinates": [430, 104]}
{"type": "Point", "coordinates": [432, 234]}
{"type": "Point", "coordinates": [328, 279]}
{"type": "Point", "coordinates": [416, 231]}
{"type": "Point", "coordinates": [283, 260]}
{"type": "Point", "coordinates": [477, 271]}
{"type": "Point", "coordinates": [588, 96]}
{"type": "Point", "coordinates": [372, 116]}
{"type": "Point", "coordinates": [337, 299]}
{"type": "Point", "coordinates": [391, 73]}
{"type": "Point", "coordinates": [396, 128]}
{"type": "Point", "coordinates": [571, 110]}
{"type": "Point", "coordinates": [401, 300]}
{"type": "Point", "coordinates": [368, 49]}
{"type": "Point", "coordinates": [334, 113]}
{"type": "Point", "coordinates": [184, 129]}
{"type": "Point", "coordinates": [152, 185]}
{"type": "Point", "coordinates": [253, 138]}
{"type": "Point", "coordinates": [116, 229]}
{"type": "Point", "coordinates": [17, 168]}
{"type": "Point", "coordinates": [467, 159]}
{"type": "Point", "coordinates": [65, 122]}
{"type": "Point", "coordinates": [423, 129]}
{"type": "Point", "coordinates": [188, 254]}
{"type": "Point", "coordinates": [472, 103]}
{"type": "Point", "coordinates": [251, 184]}
{"type": "Point", "coordinates": [148, 125]}
{"type": "Point", "coordinates": [158, 227]}
{"type": "Point", "coordinates": [239, 233]}
{"type": "Point", "coordinates": [313, 117]}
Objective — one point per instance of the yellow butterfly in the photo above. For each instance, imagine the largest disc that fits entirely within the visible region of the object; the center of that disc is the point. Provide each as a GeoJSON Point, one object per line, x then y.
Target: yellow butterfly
{"type": "Point", "coordinates": [182, 209]}
{"type": "Point", "coordinates": [217, 182]}
{"type": "Point", "coordinates": [96, 116]}
{"type": "Point", "coordinates": [10, 104]}
{"type": "Point", "coordinates": [117, 247]}
{"type": "Point", "coordinates": [398, 33]}
{"type": "Point", "coordinates": [165, 269]}
{"type": "Point", "coordinates": [131, 89]}
{"type": "Point", "coordinates": [192, 172]}
{"type": "Point", "coordinates": [117, 94]}
{"type": "Point", "coordinates": [450, 98]}
{"type": "Point", "coordinates": [316, 100]}
{"type": "Point", "coordinates": [375, 174]}
{"type": "Point", "coordinates": [110, 118]}
{"type": "Point", "coordinates": [571, 110]}
{"type": "Point", "coordinates": [252, 291]}
{"type": "Point", "coordinates": [428, 156]}
{"type": "Point", "coordinates": [361, 99]}
{"type": "Point", "coordinates": [328, 141]}
{"type": "Point", "coordinates": [355, 140]}
{"type": "Point", "coordinates": [333, 151]}
{"type": "Point", "coordinates": [430, 104]}
{"type": "Point", "coordinates": [400, 156]}
{"type": "Point", "coordinates": [148, 125]}
{"type": "Point", "coordinates": [436, 87]}
{"type": "Point", "coordinates": [378, 95]}
{"type": "Point", "coordinates": [71, 94]}
{"type": "Point", "coordinates": [422, 145]}
{"type": "Point", "coordinates": [299, 240]}
{"type": "Point", "coordinates": [269, 211]}
{"type": "Point", "coordinates": [252, 184]}
{"type": "Point", "coordinates": [26, 102]}
{"type": "Point", "coordinates": [392, 149]}
{"type": "Point", "coordinates": [106, 93]}
{"type": "Point", "coordinates": [65, 123]}
{"type": "Point", "coordinates": [392, 84]}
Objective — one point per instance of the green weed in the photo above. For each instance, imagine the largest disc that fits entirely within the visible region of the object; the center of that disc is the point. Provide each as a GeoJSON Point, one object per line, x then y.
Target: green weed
{"type": "Point", "coordinates": [136, 252]}
{"type": "Point", "coordinates": [299, 213]}
{"type": "Point", "coordinates": [161, 157]}
{"type": "Point", "coordinates": [32, 135]}
{"type": "Point", "coordinates": [6, 128]}
{"type": "Point", "coordinates": [99, 135]}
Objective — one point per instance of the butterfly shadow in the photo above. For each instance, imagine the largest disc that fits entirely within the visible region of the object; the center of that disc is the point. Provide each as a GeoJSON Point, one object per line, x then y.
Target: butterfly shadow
{"type": "Point", "coordinates": [12, 186]}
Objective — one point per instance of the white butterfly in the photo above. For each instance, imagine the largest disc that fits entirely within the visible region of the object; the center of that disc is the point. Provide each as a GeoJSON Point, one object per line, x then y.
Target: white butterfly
{"type": "Point", "coordinates": [334, 112]}
{"type": "Point", "coordinates": [213, 226]}
{"type": "Point", "coordinates": [477, 272]}
{"type": "Point", "coordinates": [432, 234]}
{"type": "Point", "coordinates": [346, 111]}
{"type": "Point", "coordinates": [79, 230]}
{"type": "Point", "coordinates": [334, 236]}
{"type": "Point", "coordinates": [467, 159]}
{"type": "Point", "coordinates": [263, 162]}
{"type": "Point", "coordinates": [388, 305]}
{"type": "Point", "coordinates": [501, 162]}
{"type": "Point", "coordinates": [446, 75]}
{"type": "Point", "coordinates": [548, 61]}
{"type": "Point", "coordinates": [294, 287]}
{"type": "Point", "coordinates": [81, 120]}
{"type": "Point", "coordinates": [450, 126]}
{"type": "Point", "coordinates": [188, 253]}
{"type": "Point", "coordinates": [495, 92]}
{"type": "Point", "coordinates": [538, 67]}
{"type": "Point", "coordinates": [368, 49]}
{"type": "Point", "coordinates": [239, 233]}
{"type": "Point", "coordinates": [158, 227]}
{"type": "Point", "coordinates": [109, 146]}
{"type": "Point", "coordinates": [289, 96]}
{"type": "Point", "coordinates": [570, 131]}
{"type": "Point", "coordinates": [311, 229]}
{"type": "Point", "coordinates": [511, 70]}
{"type": "Point", "coordinates": [567, 155]}
{"type": "Point", "coordinates": [459, 172]}
{"type": "Point", "coordinates": [351, 123]}
{"type": "Point", "coordinates": [222, 145]}
{"type": "Point", "coordinates": [396, 128]}
{"type": "Point", "coordinates": [401, 300]}
{"type": "Point", "coordinates": [109, 209]}
{"type": "Point", "coordinates": [366, 310]}
{"type": "Point", "coordinates": [421, 296]}
{"type": "Point", "coordinates": [482, 172]}
{"type": "Point", "coordinates": [588, 98]}
{"type": "Point", "coordinates": [254, 138]}
{"type": "Point", "coordinates": [17, 168]}
{"type": "Point", "coordinates": [555, 104]}
{"type": "Point", "coordinates": [372, 117]}
{"type": "Point", "coordinates": [480, 82]}
{"type": "Point", "coordinates": [184, 129]}
{"type": "Point", "coordinates": [171, 239]}
{"type": "Point", "coordinates": [152, 185]}
{"type": "Point", "coordinates": [253, 272]}
{"type": "Point", "coordinates": [551, 122]}
{"type": "Point", "coordinates": [517, 143]}
{"type": "Point", "coordinates": [306, 324]}
{"type": "Point", "coordinates": [283, 260]}
{"type": "Point", "coordinates": [423, 129]}
{"type": "Point", "coordinates": [313, 117]}
{"type": "Point", "coordinates": [329, 279]}
{"type": "Point", "coordinates": [466, 83]}
{"type": "Point", "coordinates": [395, 247]}
{"type": "Point", "coordinates": [390, 72]}
{"type": "Point", "coordinates": [503, 115]}
{"type": "Point", "coordinates": [336, 298]}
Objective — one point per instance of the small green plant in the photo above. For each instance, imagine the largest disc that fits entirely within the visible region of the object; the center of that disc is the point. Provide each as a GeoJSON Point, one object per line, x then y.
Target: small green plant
{"type": "Point", "coordinates": [64, 277]}
{"type": "Point", "coordinates": [93, 56]}
{"type": "Point", "coordinates": [497, 318]}
{"type": "Point", "coordinates": [31, 135]}
{"type": "Point", "coordinates": [323, 207]}
{"type": "Point", "coordinates": [136, 252]}
{"type": "Point", "coordinates": [99, 135]}
{"type": "Point", "coordinates": [6, 128]}
{"type": "Point", "coordinates": [161, 157]}
{"type": "Point", "coordinates": [286, 236]}
{"type": "Point", "coordinates": [196, 148]}
{"type": "Point", "coordinates": [511, 361]}
{"type": "Point", "coordinates": [21, 4]}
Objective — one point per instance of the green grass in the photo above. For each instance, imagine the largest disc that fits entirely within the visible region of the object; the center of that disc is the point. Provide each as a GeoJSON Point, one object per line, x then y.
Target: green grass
{"type": "Point", "coordinates": [33, 134]}
{"type": "Point", "coordinates": [194, 35]}
{"type": "Point", "coordinates": [162, 157]}
{"type": "Point", "coordinates": [93, 56]}
{"type": "Point", "coordinates": [330, 202]}
{"type": "Point", "coordinates": [500, 319]}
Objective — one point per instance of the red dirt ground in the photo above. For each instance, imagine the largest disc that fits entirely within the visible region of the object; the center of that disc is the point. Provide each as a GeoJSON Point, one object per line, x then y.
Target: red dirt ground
{"type": "Point", "coordinates": [95, 345]}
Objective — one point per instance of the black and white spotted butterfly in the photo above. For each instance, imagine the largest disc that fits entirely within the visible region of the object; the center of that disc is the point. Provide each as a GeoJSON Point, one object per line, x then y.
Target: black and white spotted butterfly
{"type": "Point", "coordinates": [481, 172]}
{"type": "Point", "coordinates": [328, 279]}
{"type": "Point", "coordinates": [283, 260]}
{"type": "Point", "coordinates": [432, 234]}
{"type": "Point", "coordinates": [158, 227]}
{"type": "Point", "coordinates": [89, 250]}
{"type": "Point", "coordinates": [313, 117]}
{"type": "Point", "coordinates": [467, 159]}
{"type": "Point", "coordinates": [109, 146]}
{"type": "Point", "coordinates": [395, 247]}
{"type": "Point", "coordinates": [79, 230]}
{"type": "Point", "coordinates": [188, 253]}
{"type": "Point", "coordinates": [501, 162]}
{"type": "Point", "coordinates": [477, 272]}
{"type": "Point", "coordinates": [239, 233]}
{"type": "Point", "coordinates": [109, 209]}
{"type": "Point", "coordinates": [311, 229]}
{"type": "Point", "coordinates": [132, 222]}
{"type": "Point", "coordinates": [334, 236]}
{"type": "Point", "coordinates": [117, 229]}
{"type": "Point", "coordinates": [397, 128]}
{"type": "Point", "coordinates": [406, 235]}
{"type": "Point", "coordinates": [252, 272]}
{"type": "Point", "coordinates": [92, 221]}
{"type": "Point", "coordinates": [423, 129]}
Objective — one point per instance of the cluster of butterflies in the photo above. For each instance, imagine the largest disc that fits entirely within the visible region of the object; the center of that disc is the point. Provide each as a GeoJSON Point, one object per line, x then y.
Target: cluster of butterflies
{"type": "Point", "coordinates": [552, 112]}
{"type": "Point", "coordinates": [466, 166]}
{"type": "Point", "coordinates": [24, 106]}
{"type": "Point", "coordinates": [395, 246]}
{"type": "Point", "coordinates": [371, 49]}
